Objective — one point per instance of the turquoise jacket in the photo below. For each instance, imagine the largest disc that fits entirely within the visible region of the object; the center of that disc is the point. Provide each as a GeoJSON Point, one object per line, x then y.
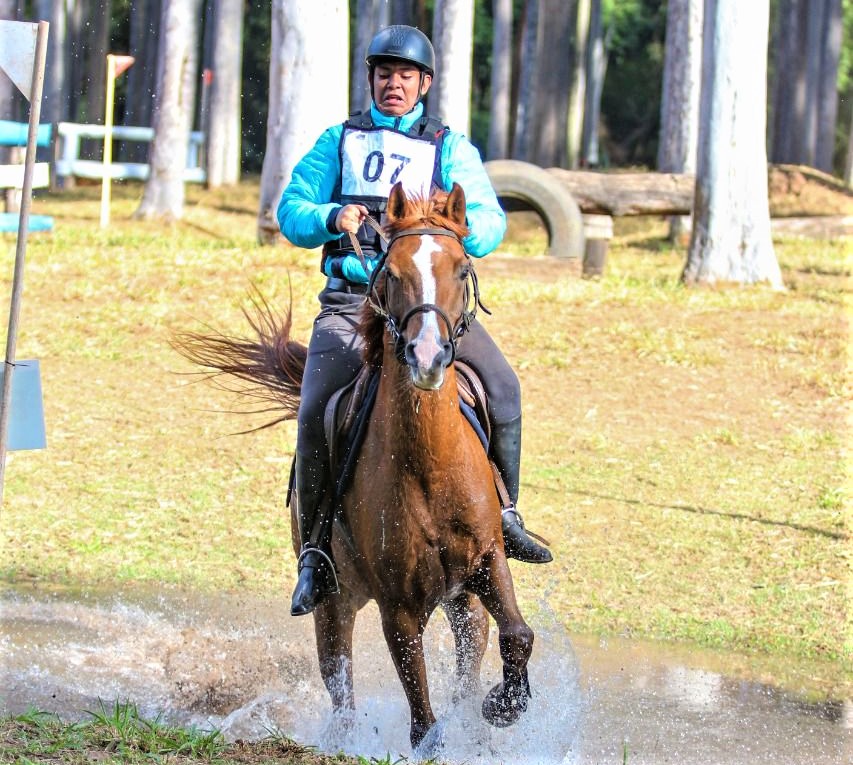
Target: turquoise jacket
{"type": "Point", "coordinates": [307, 201]}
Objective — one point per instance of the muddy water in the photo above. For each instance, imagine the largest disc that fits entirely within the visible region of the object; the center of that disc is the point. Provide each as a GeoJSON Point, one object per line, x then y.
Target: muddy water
{"type": "Point", "coordinates": [247, 668]}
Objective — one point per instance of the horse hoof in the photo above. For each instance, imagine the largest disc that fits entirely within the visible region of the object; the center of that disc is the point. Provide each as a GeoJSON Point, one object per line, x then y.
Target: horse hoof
{"type": "Point", "coordinates": [503, 706]}
{"type": "Point", "coordinates": [432, 743]}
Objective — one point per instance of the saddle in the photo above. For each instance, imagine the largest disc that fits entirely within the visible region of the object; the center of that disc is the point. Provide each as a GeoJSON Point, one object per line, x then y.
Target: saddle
{"type": "Point", "coordinates": [348, 412]}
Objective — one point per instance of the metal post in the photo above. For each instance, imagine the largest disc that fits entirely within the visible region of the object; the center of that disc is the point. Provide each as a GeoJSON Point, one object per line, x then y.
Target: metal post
{"type": "Point", "coordinates": [21, 248]}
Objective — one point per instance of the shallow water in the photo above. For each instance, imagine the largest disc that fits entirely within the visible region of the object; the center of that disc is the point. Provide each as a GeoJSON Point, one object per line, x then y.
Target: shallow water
{"type": "Point", "coordinates": [246, 667]}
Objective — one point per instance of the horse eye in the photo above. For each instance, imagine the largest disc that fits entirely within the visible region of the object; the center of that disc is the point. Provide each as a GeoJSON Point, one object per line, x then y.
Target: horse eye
{"type": "Point", "coordinates": [464, 272]}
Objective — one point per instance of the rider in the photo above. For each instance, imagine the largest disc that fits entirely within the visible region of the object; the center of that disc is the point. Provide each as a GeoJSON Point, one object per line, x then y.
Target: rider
{"type": "Point", "coordinates": [347, 175]}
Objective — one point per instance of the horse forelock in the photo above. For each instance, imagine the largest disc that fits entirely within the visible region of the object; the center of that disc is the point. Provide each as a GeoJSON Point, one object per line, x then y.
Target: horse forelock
{"type": "Point", "coordinates": [423, 212]}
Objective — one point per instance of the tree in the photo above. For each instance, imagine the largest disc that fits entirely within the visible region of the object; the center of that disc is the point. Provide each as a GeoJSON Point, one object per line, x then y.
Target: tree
{"type": "Point", "coordinates": [544, 82]}
{"type": "Point", "coordinates": [309, 58]}
{"type": "Point", "coordinates": [731, 218]}
{"type": "Point", "coordinates": [370, 17]}
{"type": "Point", "coordinates": [163, 196]}
{"type": "Point", "coordinates": [501, 80]}
{"type": "Point", "coordinates": [95, 39]}
{"type": "Point", "coordinates": [223, 136]}
{"type": "Point", "coordinates": [55, 102]}
{"type": "Point", "coordinates": [805, 97]}
{"type": "Point", "coordinates": [596, 68]}
{"type": "Point", "coordinates": [682, 73]}
{"type": "Point", "coordinates": [453, 39]}
{"type": "Point", "coordinates": [577, 94]}
{"type": "Point", "coordinates": [142, 76]}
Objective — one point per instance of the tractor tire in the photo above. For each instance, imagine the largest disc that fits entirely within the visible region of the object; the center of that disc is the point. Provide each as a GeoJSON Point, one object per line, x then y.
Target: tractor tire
{"type": "Point", "coordinates": [542, 192]}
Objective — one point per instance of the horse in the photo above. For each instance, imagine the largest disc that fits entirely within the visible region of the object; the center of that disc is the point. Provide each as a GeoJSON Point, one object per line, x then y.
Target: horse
{"type": "Point", "coordinates": [418, 527]}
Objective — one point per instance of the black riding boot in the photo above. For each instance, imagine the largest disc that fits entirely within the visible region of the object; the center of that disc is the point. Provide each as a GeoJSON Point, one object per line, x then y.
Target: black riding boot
{"type": "Point", "coordinates": [317, 576]}
{"type": "Point", "coordinates": [505, 448]}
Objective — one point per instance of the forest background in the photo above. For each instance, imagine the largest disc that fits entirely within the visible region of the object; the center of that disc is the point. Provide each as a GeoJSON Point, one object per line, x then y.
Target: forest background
{"type": "Point", "coordinates": [632, 33]}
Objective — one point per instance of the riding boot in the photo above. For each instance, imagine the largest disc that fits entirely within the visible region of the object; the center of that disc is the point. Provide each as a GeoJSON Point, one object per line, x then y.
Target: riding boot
{"type": "Point", "coordinates": [317, 577]}
{"type": "Point", "coordinates": [505, 449]}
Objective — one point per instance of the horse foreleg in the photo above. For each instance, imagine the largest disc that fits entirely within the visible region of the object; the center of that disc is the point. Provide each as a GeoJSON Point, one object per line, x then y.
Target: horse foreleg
{"type": "Point", "coordinates": [404, 636]}
{"type": "Point", "coordinates": [334, 619]}
{"type": "Point", "coordinates": [469, 623]}
{"type": "Point", "coordinates": [507, 701]}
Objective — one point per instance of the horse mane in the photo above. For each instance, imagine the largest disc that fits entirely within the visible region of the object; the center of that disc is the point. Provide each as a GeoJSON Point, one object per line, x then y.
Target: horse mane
{"type": "Point", "coordinates": [420, 212]}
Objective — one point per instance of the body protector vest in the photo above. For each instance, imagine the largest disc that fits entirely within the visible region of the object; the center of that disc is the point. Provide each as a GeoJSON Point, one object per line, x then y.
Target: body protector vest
{"type": "Point", "coordinates": [373, 159]}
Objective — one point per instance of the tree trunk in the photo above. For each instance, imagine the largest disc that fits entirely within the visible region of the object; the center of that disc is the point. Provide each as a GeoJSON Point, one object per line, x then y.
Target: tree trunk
{"type": "Point", "coordinates": [173, 110]}
{"type": "Point", "coordinates": [826, 116]}
{"type": "Point", "coordinates": [453, 39]}
{"type": "Point", "coordinates": [501, 80]}
{"type": "Point", "coordinates": [682, 76]}
{"type": "Point", "coordinates": [301, 28]}
{"type": "Point", "coordinates": [596, 68]}
{"type": "Point", "coordinates": [805, 97]}
{"type": "Point", "coordinates": [371, 16]}
{"type": "Point", "coordinates": [577, 97]}
{"type": "Point", "coordinates": [223, 137]}
{"type": "Point", "coordinates": [522, 147]}
{"type": "Point", "coordinates": [848, 163]}
{"type": "Point", "coordinates": [96, 45]}
{"type": "Point", "coordinates": [731, 239]}
{"type": "Point", "coordinates": [55, 103]}
{"type": "Point", "coordinates": [542, 118]}
{"type": "Point", "coordinates": [142, 76]}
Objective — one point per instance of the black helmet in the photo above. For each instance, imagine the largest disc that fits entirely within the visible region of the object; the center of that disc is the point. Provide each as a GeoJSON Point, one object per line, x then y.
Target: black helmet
{"type": "Point", "coordinates": [402, 43]}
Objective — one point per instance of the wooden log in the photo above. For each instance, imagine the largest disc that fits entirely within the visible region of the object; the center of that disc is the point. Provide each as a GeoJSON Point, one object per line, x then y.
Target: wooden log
{"type": "Point", "coordinates": [793, 190]}
{"type": "Point", "coordinates": [628, 193]}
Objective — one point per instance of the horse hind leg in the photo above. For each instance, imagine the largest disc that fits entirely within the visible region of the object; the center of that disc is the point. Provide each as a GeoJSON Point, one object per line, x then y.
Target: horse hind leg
{"type": "Point", "coordinates": [469, 623]}
{"type": "Point", "coordinates": [507, 701]}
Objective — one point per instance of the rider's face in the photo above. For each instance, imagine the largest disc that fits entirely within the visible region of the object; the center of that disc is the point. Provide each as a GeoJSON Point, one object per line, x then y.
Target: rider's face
{"type": "Point", "coordinates": [397, 87]}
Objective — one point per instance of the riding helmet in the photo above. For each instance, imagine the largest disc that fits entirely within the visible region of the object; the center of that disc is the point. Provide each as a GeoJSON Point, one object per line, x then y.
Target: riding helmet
{"type": "Point", "coordinates": [402, 43]}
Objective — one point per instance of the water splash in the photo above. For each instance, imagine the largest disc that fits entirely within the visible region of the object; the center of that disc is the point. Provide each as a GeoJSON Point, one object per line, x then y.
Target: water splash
{"type": "Point", "coordinates": [244, 666]}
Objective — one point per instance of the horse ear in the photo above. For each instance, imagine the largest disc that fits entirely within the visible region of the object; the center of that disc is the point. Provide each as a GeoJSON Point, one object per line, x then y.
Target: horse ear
{"type": "Point", "coordinates": [455, 208]}
{"type": "Point", "coordinates": [396, 202]}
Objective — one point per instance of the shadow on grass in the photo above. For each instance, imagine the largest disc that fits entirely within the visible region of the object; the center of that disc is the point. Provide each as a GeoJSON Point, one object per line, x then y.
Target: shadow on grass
{"type": "Point", "coordinates": [840, 535]}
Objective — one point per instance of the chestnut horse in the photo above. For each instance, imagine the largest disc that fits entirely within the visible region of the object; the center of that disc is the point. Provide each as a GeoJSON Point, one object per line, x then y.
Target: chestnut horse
{"type": "Point", "coordinates": [420, 523]}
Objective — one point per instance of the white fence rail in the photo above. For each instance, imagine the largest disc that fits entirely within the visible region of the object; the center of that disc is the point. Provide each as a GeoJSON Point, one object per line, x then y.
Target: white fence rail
{"type": "Point", "coordinates": [68, 162]}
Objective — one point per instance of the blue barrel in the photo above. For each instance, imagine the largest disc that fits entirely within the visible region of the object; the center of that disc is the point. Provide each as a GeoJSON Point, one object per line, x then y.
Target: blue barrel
{"type": "Point", "coordinates": [15, 133]}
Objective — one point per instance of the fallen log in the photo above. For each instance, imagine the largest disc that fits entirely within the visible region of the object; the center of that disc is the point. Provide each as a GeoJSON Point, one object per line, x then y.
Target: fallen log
{"type": "Point", "coordinates": [618, 194]}
{"type": "Point", "coordinates": [793, 191]}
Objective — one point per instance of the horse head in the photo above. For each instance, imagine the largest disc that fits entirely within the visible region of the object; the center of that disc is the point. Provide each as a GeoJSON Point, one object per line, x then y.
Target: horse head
{"type": "Point", "coordinates": [422, 289]}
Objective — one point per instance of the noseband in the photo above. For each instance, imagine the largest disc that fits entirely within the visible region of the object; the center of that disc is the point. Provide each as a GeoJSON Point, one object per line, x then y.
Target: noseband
{"type": "Point", "coordinates": [395, 326]}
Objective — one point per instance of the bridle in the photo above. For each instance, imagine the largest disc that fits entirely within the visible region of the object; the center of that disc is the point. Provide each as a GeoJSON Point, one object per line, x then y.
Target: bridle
{"type": "Point", "coordinates": [395, 326]}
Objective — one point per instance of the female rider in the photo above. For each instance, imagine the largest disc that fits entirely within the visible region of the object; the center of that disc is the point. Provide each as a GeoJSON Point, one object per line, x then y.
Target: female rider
{"type": "Point", "coordinates": [345, 177]}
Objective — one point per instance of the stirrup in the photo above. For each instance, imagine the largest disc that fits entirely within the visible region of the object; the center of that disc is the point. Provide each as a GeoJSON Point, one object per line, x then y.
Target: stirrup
{"type": "Point", "coordinates": [330, 573]}
{"type": "Point", "coordinates": [315, 581]}
{"type": "Point", "coordinates": [517, 540]}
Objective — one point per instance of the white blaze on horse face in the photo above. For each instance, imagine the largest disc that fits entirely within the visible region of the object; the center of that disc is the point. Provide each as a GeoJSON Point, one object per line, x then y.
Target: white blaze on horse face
{"type": "Point", "coordinates": [428, 343]}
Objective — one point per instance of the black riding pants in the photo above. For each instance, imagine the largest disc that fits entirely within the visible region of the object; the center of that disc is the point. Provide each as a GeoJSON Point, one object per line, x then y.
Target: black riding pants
{"type": "Point", "coordinates": [334, 359]}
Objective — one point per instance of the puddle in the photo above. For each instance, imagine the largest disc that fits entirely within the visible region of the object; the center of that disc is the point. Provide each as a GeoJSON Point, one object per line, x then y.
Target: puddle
{"type": "Point", "coordinates": [244, 666]}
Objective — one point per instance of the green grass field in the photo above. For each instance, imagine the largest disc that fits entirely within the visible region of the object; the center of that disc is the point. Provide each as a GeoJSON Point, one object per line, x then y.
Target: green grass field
{"type": "Point", "coordinates": [684, 449]}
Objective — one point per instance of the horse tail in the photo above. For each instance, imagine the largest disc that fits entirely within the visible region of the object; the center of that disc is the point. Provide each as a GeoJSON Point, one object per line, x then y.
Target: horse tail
{"type": "Point", "coordinates": [267, 367]}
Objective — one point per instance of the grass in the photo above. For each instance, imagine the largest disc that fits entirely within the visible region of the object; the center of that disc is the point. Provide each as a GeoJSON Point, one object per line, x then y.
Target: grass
{"type": "Point", "coordinates": [685, 449]}
{"type": "Point", "coordinates": [118, 734]}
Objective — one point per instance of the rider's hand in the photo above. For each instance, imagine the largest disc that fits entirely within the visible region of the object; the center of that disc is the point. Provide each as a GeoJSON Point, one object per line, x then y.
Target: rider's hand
{"type": "Point", "coordinates": [350, 218]}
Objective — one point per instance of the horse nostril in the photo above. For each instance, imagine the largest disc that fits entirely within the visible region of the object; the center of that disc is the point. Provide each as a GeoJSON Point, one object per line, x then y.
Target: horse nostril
{"type": "Point", "coordinates": [447, 348]}
{"type": "Point", "coordinates": [409, 352]}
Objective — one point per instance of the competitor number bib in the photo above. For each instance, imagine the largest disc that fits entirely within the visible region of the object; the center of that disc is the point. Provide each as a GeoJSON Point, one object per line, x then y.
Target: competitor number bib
{"type": "Point", "coordinates": [374, 160]}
